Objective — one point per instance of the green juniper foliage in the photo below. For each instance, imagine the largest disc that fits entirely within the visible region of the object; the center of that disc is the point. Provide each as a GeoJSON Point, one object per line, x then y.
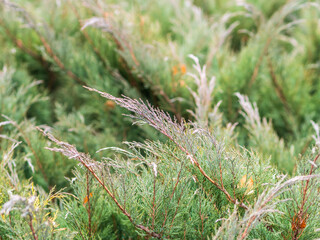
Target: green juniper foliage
{"type": "Point", "coordinates": [220, 138]}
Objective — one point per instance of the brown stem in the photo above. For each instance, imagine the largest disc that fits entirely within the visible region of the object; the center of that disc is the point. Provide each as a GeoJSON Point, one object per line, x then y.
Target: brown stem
{"type": "Point", "coordinates": [300, 217]}
{"type": "Point", "coordinates": [245, 232]}
{"type": "Point", "coordinates": [175, 213]}
{"type": "Point", "coordinates": [307, 183]}
{"type": "Point", "coordinates": [201, 217]}
{"type": "Point", "coordinates": [173, 191]}
{"type": "Point", "coordinates": [221, 180]}
{"type": "Point", "coordinates": [89, 208]}
{"type": "Point", "coordinates": [31, 227]}
{"type": "Point", "coordinates": [194, 160]}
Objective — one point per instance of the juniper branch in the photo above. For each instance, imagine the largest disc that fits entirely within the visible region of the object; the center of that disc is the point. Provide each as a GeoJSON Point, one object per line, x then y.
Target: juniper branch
{"type": "Point", "coordinates": [169, 127]}
{"type": "Point", "coordinates": [71, 152]}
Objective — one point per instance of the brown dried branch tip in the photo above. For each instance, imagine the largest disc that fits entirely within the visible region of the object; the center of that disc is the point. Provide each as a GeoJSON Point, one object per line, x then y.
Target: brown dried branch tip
{"type": "Point", "coordinates": [71, 152]}
{"type": "Point", "coordinates": [171, 128]}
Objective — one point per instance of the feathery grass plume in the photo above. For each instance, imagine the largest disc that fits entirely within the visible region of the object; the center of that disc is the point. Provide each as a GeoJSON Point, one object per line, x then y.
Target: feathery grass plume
{"type": "Point", "coordinates": [229, 228]}
{"type": "Point", "coordinates": [203, 98]}
{"type": "Point", "coordinates": [206, 116]}
{"type": "Point", "coordinates": [264, 138]}
{"type": "Point", "coordinates": [316, 137]}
